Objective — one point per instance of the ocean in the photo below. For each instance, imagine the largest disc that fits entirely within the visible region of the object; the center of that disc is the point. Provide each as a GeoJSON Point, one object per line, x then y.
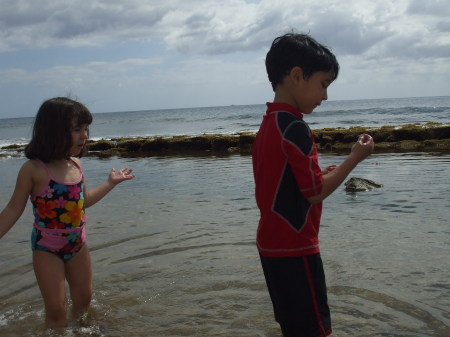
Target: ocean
{"type": "Point", "coordinates": [244, 118]}
{"type": "Point", "coordinates": [174, 249]}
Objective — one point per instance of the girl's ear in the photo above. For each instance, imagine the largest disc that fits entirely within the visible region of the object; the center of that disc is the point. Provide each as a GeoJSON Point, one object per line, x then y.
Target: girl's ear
{"type": "Point", "coordinates": [296, 75]}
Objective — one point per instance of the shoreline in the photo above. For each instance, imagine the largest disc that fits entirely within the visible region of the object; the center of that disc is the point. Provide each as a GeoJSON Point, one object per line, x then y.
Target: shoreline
{"type": "Point", "coordinates": [430, 137]}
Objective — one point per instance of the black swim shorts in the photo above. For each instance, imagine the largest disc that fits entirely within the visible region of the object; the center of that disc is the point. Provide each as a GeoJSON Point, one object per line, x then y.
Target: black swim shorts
{"type": "Point", "coordinates": [299, 296]}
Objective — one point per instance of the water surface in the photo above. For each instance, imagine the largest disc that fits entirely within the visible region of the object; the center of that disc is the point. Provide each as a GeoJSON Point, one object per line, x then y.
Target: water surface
{"type": "Point", "coordinates": [174, 252]}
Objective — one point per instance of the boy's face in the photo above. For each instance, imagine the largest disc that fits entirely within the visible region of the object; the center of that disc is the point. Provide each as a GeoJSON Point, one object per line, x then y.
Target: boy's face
{"type": "Point", "coordinates": [308, 94]}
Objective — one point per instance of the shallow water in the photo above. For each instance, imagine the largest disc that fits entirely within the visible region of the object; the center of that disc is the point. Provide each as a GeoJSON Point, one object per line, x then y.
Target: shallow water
{"type": "Point", "coordinates": [174, 252]}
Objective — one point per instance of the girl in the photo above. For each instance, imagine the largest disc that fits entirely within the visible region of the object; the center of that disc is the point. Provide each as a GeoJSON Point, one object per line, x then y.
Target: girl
{"type": "Point", "coordinates": [54, 181]}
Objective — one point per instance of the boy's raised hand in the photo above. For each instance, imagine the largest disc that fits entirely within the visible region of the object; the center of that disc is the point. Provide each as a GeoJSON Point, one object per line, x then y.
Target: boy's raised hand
{"type": "Point", "coordinates": [116, 177]}
{"type": "Point", "coordinates": [363, 147]}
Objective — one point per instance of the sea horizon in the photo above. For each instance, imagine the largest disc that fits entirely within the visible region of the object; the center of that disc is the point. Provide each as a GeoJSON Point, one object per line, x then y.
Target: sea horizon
{"type": "Point", "coordinates": [235, 119]}
{"type": "Point", "coordinates": [239, 105]}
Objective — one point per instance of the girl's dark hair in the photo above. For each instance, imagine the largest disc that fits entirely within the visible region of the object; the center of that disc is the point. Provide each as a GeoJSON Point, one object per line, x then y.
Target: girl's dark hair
{"type": "Point", "coordinates": [298, 50]}
{"type": "Point", "coordinates": [52, 131]}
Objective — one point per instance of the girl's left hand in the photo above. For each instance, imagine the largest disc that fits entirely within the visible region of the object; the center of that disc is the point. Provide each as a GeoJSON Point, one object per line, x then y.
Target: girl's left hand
{"type": "Point", "coordinates": [116, 177]}
{"type": "Point", "coordinates": [328, 169]}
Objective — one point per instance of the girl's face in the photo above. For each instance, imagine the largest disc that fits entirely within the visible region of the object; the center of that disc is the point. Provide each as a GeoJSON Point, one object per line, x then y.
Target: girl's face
{"type": "Point", "coordinates": [79, 137]}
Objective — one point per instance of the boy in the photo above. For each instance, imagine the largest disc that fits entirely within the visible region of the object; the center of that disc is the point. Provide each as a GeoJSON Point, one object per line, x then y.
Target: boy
{"type": "Point", "coordinates": [290, 186]}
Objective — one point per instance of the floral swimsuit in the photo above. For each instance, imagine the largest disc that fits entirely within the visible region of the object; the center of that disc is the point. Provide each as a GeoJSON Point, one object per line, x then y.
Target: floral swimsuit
{"type": "Point", "coordinates": [59, 217]}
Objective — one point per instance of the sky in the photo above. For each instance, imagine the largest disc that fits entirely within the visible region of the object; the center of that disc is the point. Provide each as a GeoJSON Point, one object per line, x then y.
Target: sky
{"type": "Point", "coordinates": [134, 55]}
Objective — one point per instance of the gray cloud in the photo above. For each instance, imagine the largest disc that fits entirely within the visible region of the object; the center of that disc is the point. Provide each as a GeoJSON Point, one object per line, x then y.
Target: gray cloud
{"type": "Point", "coordinates": [30, 24]}
{"type": "Point", "coordinates": [348, 34]}
{"type": "Point", "coordinates": [368, 28]}
{"type": "Point", "coordinates": [222, 29]}
{"type": "Point", "coordinates": [415, 49]}
{"type": "Point", "coordinates": [443, 26]}
{"type": "Point", "coordinates": [439, 8]}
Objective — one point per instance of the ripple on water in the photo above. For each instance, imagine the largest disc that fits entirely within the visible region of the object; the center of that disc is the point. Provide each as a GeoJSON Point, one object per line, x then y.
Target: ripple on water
{"type": "Point", "coordinates": [381, 315]}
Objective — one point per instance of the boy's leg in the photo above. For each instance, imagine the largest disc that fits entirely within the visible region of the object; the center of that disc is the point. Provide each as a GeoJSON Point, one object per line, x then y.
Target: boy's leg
{"type": "Point", "coordinates": [298, 293]}
{"type": "Point", "coordinates": [49, 271]}
{"type": "Point", "coordinates": [79, 277]}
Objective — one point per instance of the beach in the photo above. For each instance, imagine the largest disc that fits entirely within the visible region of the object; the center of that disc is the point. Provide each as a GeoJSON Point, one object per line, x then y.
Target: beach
{"type": "Point", "coordinates": [174, 249]}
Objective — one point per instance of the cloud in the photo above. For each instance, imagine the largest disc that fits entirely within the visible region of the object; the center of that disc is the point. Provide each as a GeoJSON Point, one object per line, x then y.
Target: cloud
{"type": "Point", "coordinates": [222, 27]}
{"type": "Point", "coordinates": [348, 35]}
{"type": "Point", "coordinates": [136, 84]}
{"type": "Point", "coordinates": [77, 23]}
{"type": "Point", "coordinates": [443, 26]}
{"type": "Point", "coordinates": [89, 75]}
{"type": "Point", "coordinates": [139, 54]}
{"type": "Point", "coordinates": [438, 8]}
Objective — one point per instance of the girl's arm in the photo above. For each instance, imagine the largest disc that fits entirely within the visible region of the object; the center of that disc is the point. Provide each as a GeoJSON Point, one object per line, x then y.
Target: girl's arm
{"type": "Point", "coordinates": [96, 194]}
{"type": "Point", "coordinates": [16, 205]}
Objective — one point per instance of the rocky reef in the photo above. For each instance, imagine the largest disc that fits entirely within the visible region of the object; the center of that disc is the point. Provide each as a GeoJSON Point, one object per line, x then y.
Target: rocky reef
{"type": "Point", "coordinates": [177, 145]}
{"type": "Point", "coordinates": [405, 138]}
{"type": "Point", "coordinates": [356, 184]}
{"type": "Point", "coordinates": [431, 137]}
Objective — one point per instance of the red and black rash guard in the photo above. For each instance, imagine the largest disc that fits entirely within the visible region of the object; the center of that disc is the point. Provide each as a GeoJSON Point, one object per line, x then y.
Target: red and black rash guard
{"type": "Point", "coordinates": [286, 172]}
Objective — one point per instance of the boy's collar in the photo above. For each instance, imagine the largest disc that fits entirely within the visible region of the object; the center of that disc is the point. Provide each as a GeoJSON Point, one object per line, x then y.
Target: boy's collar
{"type": "Point", "coordinates": [272, 107]}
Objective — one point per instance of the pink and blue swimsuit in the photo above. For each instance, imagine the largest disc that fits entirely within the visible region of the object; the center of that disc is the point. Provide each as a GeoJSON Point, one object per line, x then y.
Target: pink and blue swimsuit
{"type": "Point", "coordinates": [59, 225]}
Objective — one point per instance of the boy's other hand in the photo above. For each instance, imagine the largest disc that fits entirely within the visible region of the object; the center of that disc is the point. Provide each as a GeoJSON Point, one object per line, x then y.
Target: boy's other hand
{"type": "Point", "coordinates": [363, 147]}
{"type": "Point", "coordinates": [328, 169]}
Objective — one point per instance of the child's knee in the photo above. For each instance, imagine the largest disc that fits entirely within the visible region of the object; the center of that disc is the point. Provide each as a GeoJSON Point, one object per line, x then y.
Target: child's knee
{"type": "Point", "coordinates": [56, 310]}
{"type": "Point", "coordinates": [81, 304]}
{"type": "Point", "coordinates": [82, 298]}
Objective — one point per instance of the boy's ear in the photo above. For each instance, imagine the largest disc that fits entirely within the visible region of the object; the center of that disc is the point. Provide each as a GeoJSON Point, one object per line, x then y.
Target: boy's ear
{"type": "Point", "coordinates": [296, 75]}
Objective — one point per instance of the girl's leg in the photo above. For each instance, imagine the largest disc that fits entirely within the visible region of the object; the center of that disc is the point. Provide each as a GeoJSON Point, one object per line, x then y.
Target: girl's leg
{"type": "Point", "coordinates": [49, 271]}
{"type": "Point", "coordinates": [79, 277]}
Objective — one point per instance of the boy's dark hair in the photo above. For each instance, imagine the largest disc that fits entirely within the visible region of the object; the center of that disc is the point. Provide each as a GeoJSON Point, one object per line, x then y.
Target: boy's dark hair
{"type": "Point", "coordinates": [52, 131]}
{"type": "Point", "coordinates": [298, 50]}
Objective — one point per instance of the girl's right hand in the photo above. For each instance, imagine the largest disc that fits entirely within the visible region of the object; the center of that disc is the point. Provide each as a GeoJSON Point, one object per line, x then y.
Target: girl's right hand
{"type": "Point", "coordinates": [116, 177]}
{"type": "Point", "coordinates": [363, 147]}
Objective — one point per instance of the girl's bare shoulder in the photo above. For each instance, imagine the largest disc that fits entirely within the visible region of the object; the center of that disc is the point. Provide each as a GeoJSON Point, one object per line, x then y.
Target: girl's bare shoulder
{"type": "Point", "coordinates": [32, 164]}
{"type": "Point", "coordinates": [33, 169]}
{"type": "Point", "coordinates": [29, 166]}
{"type": "Point", "coordinates": [76, 160]}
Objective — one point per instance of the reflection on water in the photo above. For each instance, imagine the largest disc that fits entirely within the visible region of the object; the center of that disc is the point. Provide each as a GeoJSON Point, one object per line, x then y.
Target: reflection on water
{"type": "Point", "coordinates": [174, 252]}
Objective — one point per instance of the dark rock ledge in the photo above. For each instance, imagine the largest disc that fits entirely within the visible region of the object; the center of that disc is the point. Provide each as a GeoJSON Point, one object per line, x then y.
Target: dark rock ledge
{"type": "Point", "coordinates": [430, 137]}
